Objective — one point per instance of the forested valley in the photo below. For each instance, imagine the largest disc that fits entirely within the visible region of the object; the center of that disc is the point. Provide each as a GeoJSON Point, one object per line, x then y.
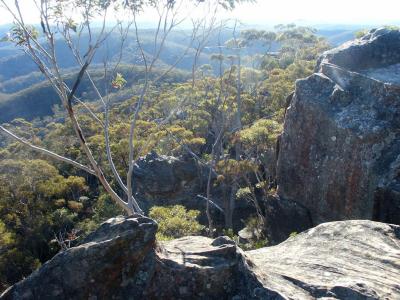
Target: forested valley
{"type": "Point", "coordinates": [214, 96]}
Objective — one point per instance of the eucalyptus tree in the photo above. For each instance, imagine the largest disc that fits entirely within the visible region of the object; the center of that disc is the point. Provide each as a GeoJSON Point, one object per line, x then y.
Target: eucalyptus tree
{"type": "Point", "coordinates": [67, 20]}
{"type": "Point", "coordinates": [236, 44]}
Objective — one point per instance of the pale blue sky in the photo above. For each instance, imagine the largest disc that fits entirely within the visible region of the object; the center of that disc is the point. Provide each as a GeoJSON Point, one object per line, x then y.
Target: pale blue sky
{"type": "Point", "coordinates": [285, 11]}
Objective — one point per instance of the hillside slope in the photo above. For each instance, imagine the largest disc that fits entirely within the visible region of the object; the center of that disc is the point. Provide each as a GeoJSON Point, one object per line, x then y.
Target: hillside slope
{"type": "Point", "coordinates": [39, 99]}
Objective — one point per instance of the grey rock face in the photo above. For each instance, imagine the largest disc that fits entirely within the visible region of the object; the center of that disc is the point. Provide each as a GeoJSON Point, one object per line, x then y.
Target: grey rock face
{"type": "Point", "coordinates": [161, 180]}
{"type": "Point", "coordinates": [197, 267]}
{"type": "Point", "coordinates": [338, 260]}
{"type": "Point", "coordinates": [167, 180]}
{"type": "Point", "coordinates": [106, 265]}
{"type": "Point", "coordinates": [159, 175]}
{"type": "Point", "coordinates": [340, 149]}
{"type": "Point", "coordinates": [377, 49]}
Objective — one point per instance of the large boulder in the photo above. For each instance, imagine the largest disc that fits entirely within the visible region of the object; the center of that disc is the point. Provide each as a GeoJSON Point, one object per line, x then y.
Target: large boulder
{"type": "Point", "coordinates": [161, 180]}
{"type": "Point", "coordinates": [338, 260]}
{"type": "Point", "coordinates": [122, 261]}
{"type": "Point", "coordinates": [166, 177]}
{"type": "Point", "coordinates": [339, 152]}
{"type": "Point", "coordinates": [197, 267]}
{"type": "Point", "coordinates": [107, 264]}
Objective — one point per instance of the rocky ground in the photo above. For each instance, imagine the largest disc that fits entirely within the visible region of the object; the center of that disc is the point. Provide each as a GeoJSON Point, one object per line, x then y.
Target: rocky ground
{"type": "Point", "coordinates": [337, 260]}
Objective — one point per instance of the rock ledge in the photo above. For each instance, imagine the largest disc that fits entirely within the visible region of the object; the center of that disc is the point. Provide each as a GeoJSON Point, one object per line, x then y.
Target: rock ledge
{"type": "Point", "coordinates": [338, 260]}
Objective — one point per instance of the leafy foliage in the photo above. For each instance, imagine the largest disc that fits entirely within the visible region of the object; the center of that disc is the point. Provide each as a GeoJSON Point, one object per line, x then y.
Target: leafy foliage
{"type": "Point", "coordinates": [175, 221]}
{"type": "Point", "coordinates": [257, 241]}
{"type": "Point", "coordinates": [20, 36]}
{"type": "Point", "coordinates": [32, 213]}
{"type": "Point", "coordinates": [39, 199]}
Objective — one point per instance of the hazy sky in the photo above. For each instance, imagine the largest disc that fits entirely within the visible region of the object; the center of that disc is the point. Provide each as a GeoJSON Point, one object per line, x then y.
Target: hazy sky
{"type": "Point", "coordinates": [376, 12]}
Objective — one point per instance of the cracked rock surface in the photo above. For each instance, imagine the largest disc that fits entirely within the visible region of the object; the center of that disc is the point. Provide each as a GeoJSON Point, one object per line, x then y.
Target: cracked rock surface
{"type": "Point", "coordinates": [337, 260]}
{"type": "Point", "coordinates": [339, 152]}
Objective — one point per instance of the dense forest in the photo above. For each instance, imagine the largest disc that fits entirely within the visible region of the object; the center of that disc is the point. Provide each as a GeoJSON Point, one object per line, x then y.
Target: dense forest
{"type": "Point", "coordinates": [222, 105]}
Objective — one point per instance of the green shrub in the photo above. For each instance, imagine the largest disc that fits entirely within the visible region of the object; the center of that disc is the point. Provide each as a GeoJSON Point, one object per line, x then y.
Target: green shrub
{"type": "Point", "coordinates": [105, 208]}
{"type": "Point", "coordinates": [251, 245]}
{"type": "Point", "coordinates": [60, 202]}
{"type": "Point", "coordinates": [255, 244]}
{"type": "Point", "coordinates": [75, 206]}
{"type": "Point", "coordinates": [175, 221]}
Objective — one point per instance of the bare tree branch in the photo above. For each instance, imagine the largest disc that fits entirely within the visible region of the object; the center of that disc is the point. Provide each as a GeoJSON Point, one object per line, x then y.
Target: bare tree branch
{"type": "Point", "coordinates": [47, 152]}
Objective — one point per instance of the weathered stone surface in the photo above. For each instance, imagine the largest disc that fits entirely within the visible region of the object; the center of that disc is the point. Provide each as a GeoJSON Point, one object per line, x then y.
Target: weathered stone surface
{"type": "Point", "coordinates": [122, 261]}
{"type": "Point", "coordinates": [166, 180]}
{"type": "Point", "coordinates": [160, 176]}
{"type": "Point", "coordinates": [338, 260]}
{"type": "Point", "coordinates": [340, 150]}
{"type": "Point", "coordinates": [197, 268]}
{"type": "Point", "coordinates": [379, 48]}
{"type": "Point", "coordinates": [106, 265]}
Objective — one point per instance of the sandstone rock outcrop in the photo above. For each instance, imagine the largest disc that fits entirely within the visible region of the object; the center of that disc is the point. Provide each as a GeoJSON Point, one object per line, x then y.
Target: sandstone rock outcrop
{"type": "Point", "coordinates": [107, 264]}
{"type": "Point", "coordinates": [338, 260]}
{"type": "Point", "coordinates": [356, 259]}
{"type": "Point", "coordinates": [166, 180]}
{"type": "Point", "coordinates": [163, 178]}
{"type": "Point", "coordinates": [339, 153]}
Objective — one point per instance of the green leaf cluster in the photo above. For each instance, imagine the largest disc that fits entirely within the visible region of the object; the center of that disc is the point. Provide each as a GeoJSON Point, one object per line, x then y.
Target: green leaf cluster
{"type": "Point", "coordinates": [175, 221]}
